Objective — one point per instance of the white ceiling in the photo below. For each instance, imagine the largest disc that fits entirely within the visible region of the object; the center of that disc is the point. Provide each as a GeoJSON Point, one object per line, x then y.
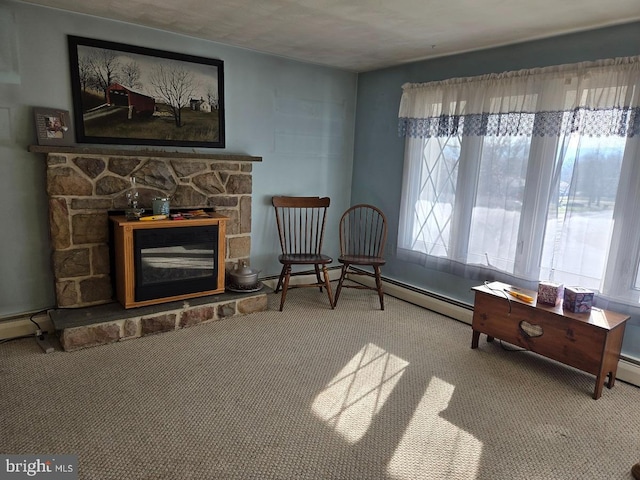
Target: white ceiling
{"type": "Point", "coordinates": [361, 35]}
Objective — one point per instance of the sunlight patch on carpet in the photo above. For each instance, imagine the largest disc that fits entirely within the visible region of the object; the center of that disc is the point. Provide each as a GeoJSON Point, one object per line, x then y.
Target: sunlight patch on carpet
{"type": "Point", "coordinates": [352, 399]}
{"type": "Point", "coordinates": [432, 447]}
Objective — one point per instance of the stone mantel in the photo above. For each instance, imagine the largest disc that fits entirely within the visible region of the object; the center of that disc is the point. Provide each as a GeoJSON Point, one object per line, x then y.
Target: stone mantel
{"type": "Point", "coordinates": [121, 152]}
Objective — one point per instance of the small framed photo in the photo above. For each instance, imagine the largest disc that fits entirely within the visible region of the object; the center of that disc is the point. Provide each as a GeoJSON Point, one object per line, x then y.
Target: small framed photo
{"type": "Point", "coordinates": [53, 126]}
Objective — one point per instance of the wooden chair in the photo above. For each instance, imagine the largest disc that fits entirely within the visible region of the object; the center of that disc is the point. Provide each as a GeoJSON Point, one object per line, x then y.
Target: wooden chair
{"type": "Point", "coordinates": [363, 235]}
{"type": "Point", "coordinates": [301, 224]}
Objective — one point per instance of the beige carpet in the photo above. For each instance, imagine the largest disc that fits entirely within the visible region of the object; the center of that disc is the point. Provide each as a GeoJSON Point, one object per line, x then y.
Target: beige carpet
{"type": "Point", "coordinates": [311, 393]}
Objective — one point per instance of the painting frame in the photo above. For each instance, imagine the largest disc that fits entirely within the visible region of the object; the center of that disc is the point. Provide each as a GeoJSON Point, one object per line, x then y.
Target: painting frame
{"type": "Point", "coordinates": [53, 126]}
{"type": "Point", "coordinates": [131, 95]}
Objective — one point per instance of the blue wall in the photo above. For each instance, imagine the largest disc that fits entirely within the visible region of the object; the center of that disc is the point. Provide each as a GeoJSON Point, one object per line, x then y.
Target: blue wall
{"type": "Point", "coordinates": [379, 151]}
{"type": "Point", "coordinates": [299, 117]}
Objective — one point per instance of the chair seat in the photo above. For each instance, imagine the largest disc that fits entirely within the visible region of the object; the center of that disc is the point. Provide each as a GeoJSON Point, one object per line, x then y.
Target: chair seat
{"type": "Point", "coordinates": [304, 259]}
{"type": "Point", "coordinates": [361, 260]}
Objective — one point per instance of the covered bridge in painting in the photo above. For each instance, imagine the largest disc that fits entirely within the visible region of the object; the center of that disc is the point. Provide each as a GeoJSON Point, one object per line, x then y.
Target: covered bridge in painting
{"type": "Point", "coordinates": [123, 96]}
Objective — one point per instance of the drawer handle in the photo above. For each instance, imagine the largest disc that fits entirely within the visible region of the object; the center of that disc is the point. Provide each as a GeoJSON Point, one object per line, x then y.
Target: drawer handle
{"type": "Point", "coordinates": [531, 330]}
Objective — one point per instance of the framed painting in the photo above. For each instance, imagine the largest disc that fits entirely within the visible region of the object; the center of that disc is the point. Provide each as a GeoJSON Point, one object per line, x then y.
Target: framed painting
{"type": "Point", "coordinates": [123, 94]}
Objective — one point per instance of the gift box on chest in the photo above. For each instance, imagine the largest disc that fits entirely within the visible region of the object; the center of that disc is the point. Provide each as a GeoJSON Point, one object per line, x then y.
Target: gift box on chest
{"type": "Point", "coordinates": [577, 299]}
{"type": "Point", "coordinates": [550, 293]}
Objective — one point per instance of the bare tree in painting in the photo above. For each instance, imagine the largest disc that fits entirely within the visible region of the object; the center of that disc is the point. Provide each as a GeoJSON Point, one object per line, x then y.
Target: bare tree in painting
{"type": "Point", "coordinates": [212, 97]}
{"type": "Point", "coordinates": [175, 86]}
{"type": "Point", "coordinates": [131, 74]}
{"type": "Point", "coordinates": [104, 65]}
{"type": "Point", "coordinates": [85, 73]}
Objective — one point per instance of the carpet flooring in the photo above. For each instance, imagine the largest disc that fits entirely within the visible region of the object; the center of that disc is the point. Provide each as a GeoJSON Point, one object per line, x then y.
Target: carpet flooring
{"type": "Point", "coordinates": [311, 393]}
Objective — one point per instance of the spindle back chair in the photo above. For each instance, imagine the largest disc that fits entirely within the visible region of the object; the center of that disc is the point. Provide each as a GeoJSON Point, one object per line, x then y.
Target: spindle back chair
{"type": "Point", "coordinates": [301, 225]}
{"type": "Point", "coordinates": [363, 235]}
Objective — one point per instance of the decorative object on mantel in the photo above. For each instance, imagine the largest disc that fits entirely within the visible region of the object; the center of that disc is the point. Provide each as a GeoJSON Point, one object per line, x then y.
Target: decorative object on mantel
{"type": "Point", "coordinates": [53, 126]}
{"type": "Point", "coordinates": [125, 94]}
{"type": "Point", "coordinates": [133, 211]}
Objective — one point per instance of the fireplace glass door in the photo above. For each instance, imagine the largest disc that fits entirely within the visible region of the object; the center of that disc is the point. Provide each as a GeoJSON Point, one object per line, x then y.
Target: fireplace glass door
{"type": "Point", "coordinates": [175, 261]}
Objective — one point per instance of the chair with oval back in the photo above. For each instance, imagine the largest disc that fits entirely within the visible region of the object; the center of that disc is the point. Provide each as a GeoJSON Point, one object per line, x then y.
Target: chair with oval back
{"type": "Point", "coordinates": [363, 235]}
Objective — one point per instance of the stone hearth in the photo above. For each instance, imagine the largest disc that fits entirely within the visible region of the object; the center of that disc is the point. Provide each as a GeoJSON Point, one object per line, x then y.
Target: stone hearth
{"type": "Point", "coordinates": [103, 324]}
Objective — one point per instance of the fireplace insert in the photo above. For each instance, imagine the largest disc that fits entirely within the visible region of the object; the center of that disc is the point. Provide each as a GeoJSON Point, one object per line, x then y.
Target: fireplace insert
{"type": "Point", "coordinates": [165, 260]}
{"type": "Point", "coordinates": [175, 261]}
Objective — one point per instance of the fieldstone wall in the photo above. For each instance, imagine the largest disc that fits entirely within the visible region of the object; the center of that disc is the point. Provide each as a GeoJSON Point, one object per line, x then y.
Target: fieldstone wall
{"type": "Point", "coordinates": [83, 188]}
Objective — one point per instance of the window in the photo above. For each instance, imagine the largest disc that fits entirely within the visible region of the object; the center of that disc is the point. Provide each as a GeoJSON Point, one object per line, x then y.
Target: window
{"type": "Point", "coordinates": [529, 175]}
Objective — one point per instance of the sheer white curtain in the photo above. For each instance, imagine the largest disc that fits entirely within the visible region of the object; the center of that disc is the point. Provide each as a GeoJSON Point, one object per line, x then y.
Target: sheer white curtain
{"type": "Point", "coordinates": [526, 175]}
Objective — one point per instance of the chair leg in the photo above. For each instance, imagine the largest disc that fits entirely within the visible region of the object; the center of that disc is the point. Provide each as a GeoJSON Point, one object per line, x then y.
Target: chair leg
{"type": "Point", "coordinates": [285, 286]}
{"type": "Point", "coordinates": [280, 279]}
{"type": "Point", "coordinates": [379, 286]}
{"type": "Point", "coordinates": [342, 275]}
{"type": "Point", "coordinates": [318, 279]}
{"type": "Point", "coordinates": [327, 285]}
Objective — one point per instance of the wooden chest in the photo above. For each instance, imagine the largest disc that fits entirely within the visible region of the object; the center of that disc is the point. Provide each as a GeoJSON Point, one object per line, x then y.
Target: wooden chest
{"type": "Point", "coordinates": [590, 342]}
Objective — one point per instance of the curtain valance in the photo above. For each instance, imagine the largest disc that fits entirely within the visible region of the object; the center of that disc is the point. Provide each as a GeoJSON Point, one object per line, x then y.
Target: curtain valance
{"type": "Point", "coordinates": [593, 98]}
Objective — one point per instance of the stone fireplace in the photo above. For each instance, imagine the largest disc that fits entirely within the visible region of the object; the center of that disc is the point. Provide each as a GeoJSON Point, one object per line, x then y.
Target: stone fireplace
{"type": "Point", "coordinates": [85, 184]}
